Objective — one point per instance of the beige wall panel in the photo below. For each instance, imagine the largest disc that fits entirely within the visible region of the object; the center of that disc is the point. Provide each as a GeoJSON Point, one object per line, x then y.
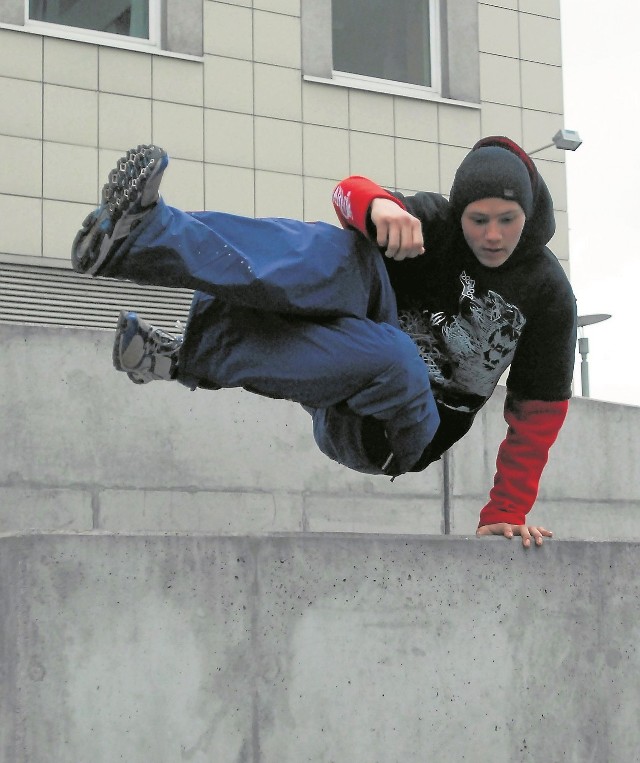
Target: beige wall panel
{"type": "Point", "coordinates": [74, 64]}
{"type": "Point", "coordinates": [325, 152]}
{"type": "Point", "coordinates": [278, 92]}
{"type": "Point", "coordinates": [278, 145]}
{"type": "Point", "coordinates": [228, 30]}
{"type": "Point", "coordinates": [498, 31]}
{"type": "Point", "coordinates": [61, 220]}
{"type": "Point", "coordinates": [541, 87]}
{"type": "Point", "coordinates": [291, 7]}
{"type": "Point", "coordinates": [124, 121]}
{"type": "Point", "coordinates": [417, 165]}
{"type": "Point", "coordinates": [416, 119]}
{"type": "Point", "coordinates": [277, 39]}
{"type": "Point", "coordinates": [317, 200]}
{"type": "Point", "coordinates": [183, 186]}
{"type": "Point", "coordinates": [70, 115]}
{"type": "Point", "coordinates": [243, 3]}
{"type": "Point", "coordinates": [549, 8]}
{"type": "Point", "coordinates": [228, 138]}
{"type": "Point", "coordinates": [450, 158]}
{"type": "Point", "coordinates": [500, 80]}
{"type": "Point", "coordinates": [325, 105]}
{"type": "Point", "coordinates": [179, 129]}
{"type": "Point", "coordinates": [228, 84]}
{"type": "Point", "coordinates": [539, 127]}
{"type": "Point", "coordinates": [20, 55]}
{"type": "Point", "coordinates": [555, 177]}
{"type": "Point", "coordinates": [373, 156]}
{"type": "Point", "coordinates": [540, 39]}
{"type": "Point", "coordinates": [278, 195]}
{"type": "Point", "coordinates": [125, 72]}
{"type": "Point", "coordinates": [178, 81]}
{"type": "Point", "coordinates": [229, 189]}
{"type": "Point", "coordinates": [458, 126]}
{"type": "Point", "coordinates": [21, 108]}
{"type": "Point", "coordinates": [371, 112]}
{"type": "Point", "coordinates": [21, 163]}
{"type": "Point", "coordinates": [59, 182]}
{"type": "Point", "coordinates": [497, 119]}
{"type": "Point", "coordinates": [21, 225]}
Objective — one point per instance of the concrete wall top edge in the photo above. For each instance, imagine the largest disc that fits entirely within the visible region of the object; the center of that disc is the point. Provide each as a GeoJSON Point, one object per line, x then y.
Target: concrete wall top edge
{"type": "Point", "coordinates": [310, 537]}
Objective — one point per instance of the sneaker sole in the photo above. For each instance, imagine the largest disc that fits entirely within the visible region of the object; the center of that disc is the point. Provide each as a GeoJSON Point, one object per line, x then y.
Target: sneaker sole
{"type": "Point", "coordinates": [130, 191]}
{"type": "Point", "coordinates": [133, 183]}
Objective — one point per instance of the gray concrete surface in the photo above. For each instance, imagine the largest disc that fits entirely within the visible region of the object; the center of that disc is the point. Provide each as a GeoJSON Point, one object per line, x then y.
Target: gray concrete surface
{"type": "Point", "coordinates": [319, 648]}
{"type": "Point", "coordinates": [81, 448]}
{"type": "Point", "coordinates": [590, 488]}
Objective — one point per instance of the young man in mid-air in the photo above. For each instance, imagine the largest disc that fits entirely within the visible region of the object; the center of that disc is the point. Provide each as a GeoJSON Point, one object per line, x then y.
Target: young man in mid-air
{"type": "Point", "coordinates": [392, 331]}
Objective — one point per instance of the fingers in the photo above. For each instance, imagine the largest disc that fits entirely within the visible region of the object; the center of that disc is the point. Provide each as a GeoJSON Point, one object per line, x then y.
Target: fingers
{"type": "Point", "coordinates": [533, 534]}
{"type": "Point", "coordinates": [501, 528]}
{"type": "Point", "coordinates": [399, 233]}
{"type": "Point", "coordinates": [403, 238]}
{"type": "Point", "coordinates": [529, 533]}
{"type": "Point", "coordinates": [526, 536]}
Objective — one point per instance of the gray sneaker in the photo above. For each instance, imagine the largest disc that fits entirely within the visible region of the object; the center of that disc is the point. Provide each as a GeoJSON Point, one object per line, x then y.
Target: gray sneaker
{"type": "Point", "coordinates": [143, 352]}
{"type": "Point", "coordinates": [129, 194]}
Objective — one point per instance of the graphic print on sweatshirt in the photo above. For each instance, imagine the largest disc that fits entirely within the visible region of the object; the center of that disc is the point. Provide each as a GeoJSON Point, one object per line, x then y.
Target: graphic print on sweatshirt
{"type": "Point", "coordinates": [467, 353]}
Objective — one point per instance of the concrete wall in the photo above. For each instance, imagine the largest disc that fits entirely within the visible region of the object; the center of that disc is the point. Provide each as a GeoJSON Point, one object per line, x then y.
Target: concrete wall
{"type": "Point", "coordinates": [350, 649]}
{"type": "Point", "coordinates": [82, 448]}
{"type": "Point", "coordinates": [590, 488]}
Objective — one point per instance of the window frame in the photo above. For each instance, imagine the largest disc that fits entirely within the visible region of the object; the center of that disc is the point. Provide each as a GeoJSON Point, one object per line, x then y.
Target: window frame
{"type": "Point", "coordinates": [177, 25]}
{"type": "Point", "coordinates": [153, 42]}
{"type": "Point", "coordinates": [397, 87]}
{"type": "Point", "coordinates": [455, 38]}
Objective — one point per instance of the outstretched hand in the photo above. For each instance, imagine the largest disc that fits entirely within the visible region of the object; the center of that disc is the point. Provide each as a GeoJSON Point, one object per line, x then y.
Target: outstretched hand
{"type": "Point", "coordinates": [398, 232]}
{"type": "Point", "coordinates": [526, 532]}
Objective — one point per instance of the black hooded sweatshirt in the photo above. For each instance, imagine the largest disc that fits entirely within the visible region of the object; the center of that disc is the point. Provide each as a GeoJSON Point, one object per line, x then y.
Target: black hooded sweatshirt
{"type": "Point", "coordinates": [471, 322]}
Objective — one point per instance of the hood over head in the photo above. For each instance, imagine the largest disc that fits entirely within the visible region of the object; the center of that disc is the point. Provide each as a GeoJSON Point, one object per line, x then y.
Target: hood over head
{"type": "Point", "coordinates": [496, 167]}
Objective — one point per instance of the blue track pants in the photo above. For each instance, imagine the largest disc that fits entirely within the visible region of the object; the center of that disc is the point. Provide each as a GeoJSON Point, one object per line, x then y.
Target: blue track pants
{"type": "Point", "coordinates": [292, 310]}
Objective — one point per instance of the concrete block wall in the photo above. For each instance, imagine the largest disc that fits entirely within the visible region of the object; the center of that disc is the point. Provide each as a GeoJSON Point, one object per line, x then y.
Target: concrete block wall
{"type": "Point", "coordinates": [83, 449]}
{"type": "Point", "coordinates": [317, 648]}
{"type": "Point", "coordinates": [590, 488]}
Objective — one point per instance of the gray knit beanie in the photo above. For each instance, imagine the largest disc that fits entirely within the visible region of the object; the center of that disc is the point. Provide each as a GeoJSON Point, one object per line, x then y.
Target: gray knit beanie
{"type": "Point", "coordinates": [491, 172]}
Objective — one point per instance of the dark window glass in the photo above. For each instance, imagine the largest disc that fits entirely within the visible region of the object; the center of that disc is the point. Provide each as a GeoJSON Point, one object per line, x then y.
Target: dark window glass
{"type": "Point", "coordinates": [386, 39]}
{"type": "Point", "coordinates": [126, 17]}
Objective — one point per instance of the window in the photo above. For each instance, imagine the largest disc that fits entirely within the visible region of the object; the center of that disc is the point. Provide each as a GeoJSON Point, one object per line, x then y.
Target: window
{"type": "Point", "coordinates": [385, 40]}
{"type": "Point", "coordinates": [417, 48]}
{"type": "Point", "coordinates": [122, 17]}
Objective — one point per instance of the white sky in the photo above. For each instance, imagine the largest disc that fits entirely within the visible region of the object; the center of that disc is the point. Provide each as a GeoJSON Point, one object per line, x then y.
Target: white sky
{"type": "Point", "coordinates": [601, 65]}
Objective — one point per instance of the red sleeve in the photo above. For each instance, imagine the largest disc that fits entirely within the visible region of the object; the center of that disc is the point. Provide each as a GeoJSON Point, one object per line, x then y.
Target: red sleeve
{"type": "Point", "coordinates": [533, 427]}
{"type": "Point", "coordinates": [352, 198]}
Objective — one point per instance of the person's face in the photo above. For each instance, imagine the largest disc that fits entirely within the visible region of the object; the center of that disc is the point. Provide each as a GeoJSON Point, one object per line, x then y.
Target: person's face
{"type": "Point", "coordinates": [492, 228]}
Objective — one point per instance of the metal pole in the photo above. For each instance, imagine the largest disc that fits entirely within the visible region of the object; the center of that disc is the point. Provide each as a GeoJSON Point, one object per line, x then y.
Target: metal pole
{"type": "Point", "coordinates": [542, 148]}
{"type": "Point", "coordinates": [583, 346]}
{"type": "Point", "coordinates": [446, 492]}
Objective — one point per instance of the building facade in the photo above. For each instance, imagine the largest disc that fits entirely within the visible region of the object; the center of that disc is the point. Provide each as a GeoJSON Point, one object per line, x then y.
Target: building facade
{"type": "Point", "coordinates": [263, 105]}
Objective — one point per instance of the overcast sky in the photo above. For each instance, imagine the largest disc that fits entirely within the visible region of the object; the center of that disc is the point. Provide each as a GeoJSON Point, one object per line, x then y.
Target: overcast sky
{"type": "Point", "coordinates": [601, 65]}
